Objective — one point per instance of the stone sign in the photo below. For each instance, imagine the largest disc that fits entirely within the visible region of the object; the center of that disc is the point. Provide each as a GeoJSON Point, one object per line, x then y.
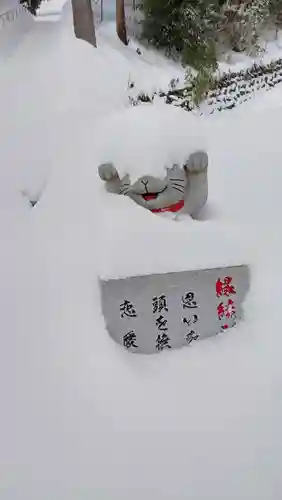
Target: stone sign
{"type": "Point", "coordinates": [147, 314]}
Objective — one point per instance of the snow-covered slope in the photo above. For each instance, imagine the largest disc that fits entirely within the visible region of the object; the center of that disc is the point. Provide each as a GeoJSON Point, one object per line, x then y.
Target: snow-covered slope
{"type": "Point", "coordinates": [80, 418]}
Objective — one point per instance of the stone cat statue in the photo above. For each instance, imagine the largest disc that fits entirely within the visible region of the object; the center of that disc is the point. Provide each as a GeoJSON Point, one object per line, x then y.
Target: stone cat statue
{"type": "Point", "coordinates": [184, 188]}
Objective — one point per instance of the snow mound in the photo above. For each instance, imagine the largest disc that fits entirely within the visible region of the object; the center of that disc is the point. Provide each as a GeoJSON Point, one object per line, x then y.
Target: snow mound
{"type": "Point", "coordinates": [147, 138]}
{"type": "Point", "coordinates": [135, 242]}
{"type": "Point", "coordinates": [80, 417]}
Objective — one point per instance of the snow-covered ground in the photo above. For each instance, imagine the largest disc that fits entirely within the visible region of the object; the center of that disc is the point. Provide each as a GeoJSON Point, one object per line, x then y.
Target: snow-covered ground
{"type": "Point", "coordinates": [81, 418]}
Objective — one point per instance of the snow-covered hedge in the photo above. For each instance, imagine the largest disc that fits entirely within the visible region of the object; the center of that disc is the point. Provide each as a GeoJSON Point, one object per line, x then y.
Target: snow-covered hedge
{"type": "Point", "coordinates": [224, 93]}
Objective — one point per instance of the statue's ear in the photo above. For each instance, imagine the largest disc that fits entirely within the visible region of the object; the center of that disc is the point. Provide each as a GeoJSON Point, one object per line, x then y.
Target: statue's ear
{"type": "Point", "coordinates": [197, 162]}
{"type": "Point", "coordinates": [176, 169]}
{"type": "Point", "coordinates": [126, 180]}
{"type": "Point", "coordinates": [108, 172]}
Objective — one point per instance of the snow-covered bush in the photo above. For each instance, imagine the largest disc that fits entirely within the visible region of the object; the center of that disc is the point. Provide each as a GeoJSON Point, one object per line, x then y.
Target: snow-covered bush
{"type": "Point", "coordinates": [197, 31]}
{"type": "Point", "coordinates": [275, 10]}
{"type": "Point", "coordinates": [241, 23]}
{"type": "Point", "coordinates": [183, 28]}
{"type": "Point", "coordinates": [31, 5]}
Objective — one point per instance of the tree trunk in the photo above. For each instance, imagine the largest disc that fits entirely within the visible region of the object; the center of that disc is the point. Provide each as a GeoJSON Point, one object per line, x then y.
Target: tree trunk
{"type": "Point", "coordinates": [120, 21]}
{"type": "Point", "coordinates": [83, 21]}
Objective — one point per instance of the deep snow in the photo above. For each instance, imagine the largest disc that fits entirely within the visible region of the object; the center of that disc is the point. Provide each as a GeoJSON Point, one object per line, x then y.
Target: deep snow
{"type": "Point", "coordinates": [80, 418]}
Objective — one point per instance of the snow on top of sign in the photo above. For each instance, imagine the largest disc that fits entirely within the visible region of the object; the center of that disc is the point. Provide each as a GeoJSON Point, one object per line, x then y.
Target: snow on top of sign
{"type": "Point", "coordinates": [144, 139]}
{"type": "Point", "coordinates": [134, 242]}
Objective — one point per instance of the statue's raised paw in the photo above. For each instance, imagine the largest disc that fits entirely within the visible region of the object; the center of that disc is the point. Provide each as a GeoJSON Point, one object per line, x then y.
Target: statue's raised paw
{"type": "Point", "coordinates": [197, 162]}
{"type": "Point", "coordinates": [108, 172]}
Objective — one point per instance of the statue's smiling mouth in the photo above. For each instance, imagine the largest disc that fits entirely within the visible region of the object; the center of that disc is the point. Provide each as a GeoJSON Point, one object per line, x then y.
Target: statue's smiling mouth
{"type": "Point", "coordinates": [152, 196]}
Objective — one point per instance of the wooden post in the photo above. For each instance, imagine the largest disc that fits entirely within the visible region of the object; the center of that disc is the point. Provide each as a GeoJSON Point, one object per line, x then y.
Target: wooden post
{"type": "Point", "coordinates": [120, 21]}
{"type": "Point", "coordinates": [83, 21]}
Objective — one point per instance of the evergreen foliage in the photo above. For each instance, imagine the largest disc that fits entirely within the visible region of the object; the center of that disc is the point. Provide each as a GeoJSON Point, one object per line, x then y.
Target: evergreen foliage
{"type": "Point", "coordinates": [183, 28]}
{"type": "Point", "coordinates": [194, 30]}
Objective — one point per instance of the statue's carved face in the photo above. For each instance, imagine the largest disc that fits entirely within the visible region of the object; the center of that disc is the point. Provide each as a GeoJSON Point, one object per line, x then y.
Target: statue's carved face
{"type": "Point", "coordinates": [154, 193]}
{"type": "Point", "coordinates": [163, 194]}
